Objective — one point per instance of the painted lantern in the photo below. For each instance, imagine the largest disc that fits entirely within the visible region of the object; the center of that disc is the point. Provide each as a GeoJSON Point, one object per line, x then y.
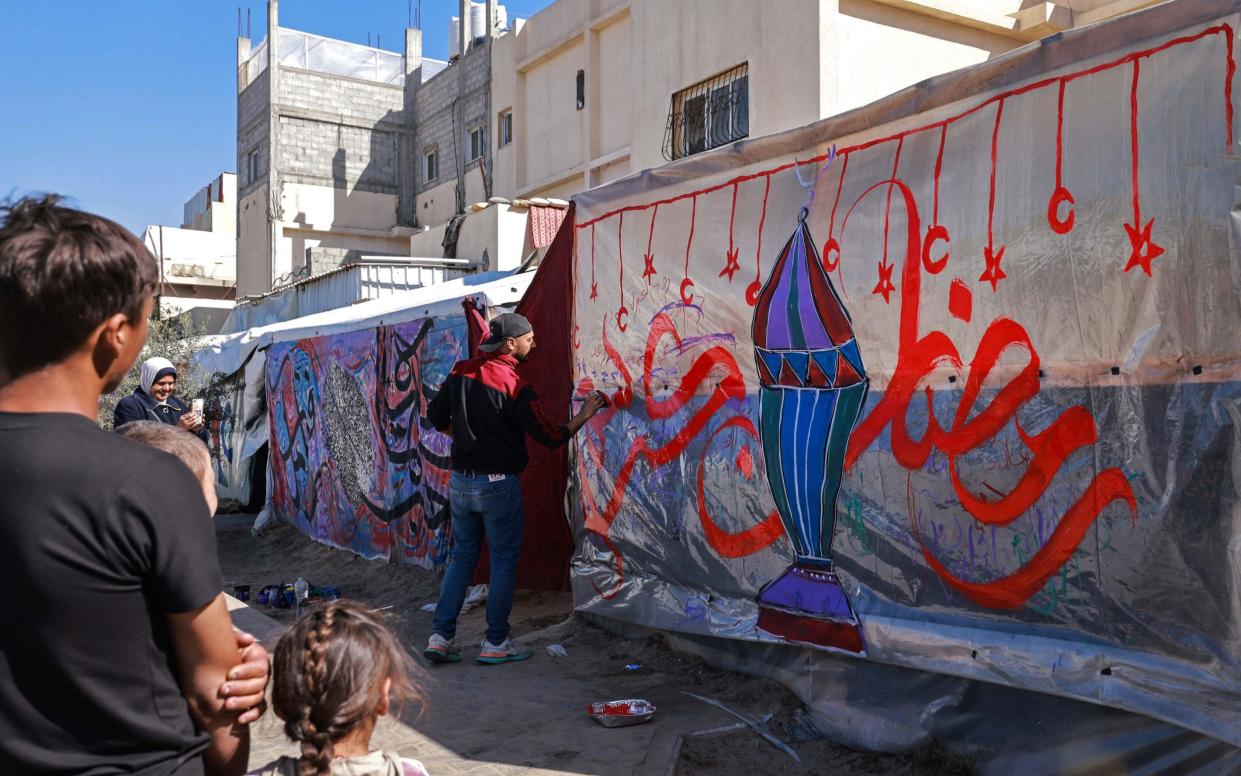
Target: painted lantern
{"type": "Point", "coordinates": [811, 388]}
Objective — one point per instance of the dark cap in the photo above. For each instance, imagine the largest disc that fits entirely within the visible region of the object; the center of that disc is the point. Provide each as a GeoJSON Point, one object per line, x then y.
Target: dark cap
{"type": "Point", "coordinates": [503, 327]}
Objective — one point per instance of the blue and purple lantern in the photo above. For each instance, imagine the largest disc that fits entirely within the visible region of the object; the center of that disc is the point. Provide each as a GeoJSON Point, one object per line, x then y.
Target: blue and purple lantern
{"type": "Point", "coordinates": [811, 389]}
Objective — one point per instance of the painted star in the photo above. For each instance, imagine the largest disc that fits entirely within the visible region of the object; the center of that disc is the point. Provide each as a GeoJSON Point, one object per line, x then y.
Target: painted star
{"type": "Point", "coordinates": [1145, 250]}
{"type": "Point", "coordinates": [649, 269]}
{"type": "Point", "coordinates": [731, 265]}
{"type": "Point", "coordinates": [994, 273]}
{"type": "Point", "coordinates": [594, 290]}
{"type": "Point", "coordinates": [884, 286]}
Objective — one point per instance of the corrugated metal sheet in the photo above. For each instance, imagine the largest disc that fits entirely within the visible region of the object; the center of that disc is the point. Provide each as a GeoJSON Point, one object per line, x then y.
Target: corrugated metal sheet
{"type": "Point", "coordinates": [332, 290]}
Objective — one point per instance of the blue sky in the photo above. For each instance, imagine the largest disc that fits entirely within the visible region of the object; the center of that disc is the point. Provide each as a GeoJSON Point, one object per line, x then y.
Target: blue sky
{"type": "Point", "coordinates": [130, 106]}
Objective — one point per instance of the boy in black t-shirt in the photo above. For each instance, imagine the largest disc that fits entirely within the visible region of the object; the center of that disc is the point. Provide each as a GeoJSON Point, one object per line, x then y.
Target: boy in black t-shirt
{"type": "Point", "coordinates": [117, 654]}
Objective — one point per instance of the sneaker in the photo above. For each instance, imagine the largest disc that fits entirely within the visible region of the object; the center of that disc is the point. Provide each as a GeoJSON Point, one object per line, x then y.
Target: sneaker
{"type": "Point", "coordinates": [506, 652]}
{"type": "Point", "coordinates": [440, 650]}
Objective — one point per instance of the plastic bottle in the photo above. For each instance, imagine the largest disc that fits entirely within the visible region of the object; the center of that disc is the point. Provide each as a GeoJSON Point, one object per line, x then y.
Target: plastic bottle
{"type": "Point", "coordinates": [301, 589]}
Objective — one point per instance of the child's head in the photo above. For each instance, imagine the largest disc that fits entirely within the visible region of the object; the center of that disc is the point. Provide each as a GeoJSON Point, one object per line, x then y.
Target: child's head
{"type": "Point", "coordinates": [188, 448]}
{"type": "Point", "coordinates": [72, 284]}
{"type": "Point", "coordinates": [335, 673]}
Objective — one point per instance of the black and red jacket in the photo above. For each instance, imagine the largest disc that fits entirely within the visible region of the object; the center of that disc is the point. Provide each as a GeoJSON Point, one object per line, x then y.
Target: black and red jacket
{"type": "Point", "coordinates": [490, 409]}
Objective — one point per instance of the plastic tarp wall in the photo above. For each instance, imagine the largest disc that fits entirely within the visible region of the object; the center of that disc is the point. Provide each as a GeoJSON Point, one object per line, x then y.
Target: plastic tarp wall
{"type": "Point", "coordinates": [237, 427]}
{"type": "Point", "coordinates": [237, 395]}
{"type": "Point", "coordinates": [354, 463]}
{"type": "Point", "coordinates": [949, 383]}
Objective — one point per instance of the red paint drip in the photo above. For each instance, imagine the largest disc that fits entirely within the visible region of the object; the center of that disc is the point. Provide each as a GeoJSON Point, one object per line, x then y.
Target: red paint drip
{"type": "Point", "coordinates": [1059, 133]}
{"type": "Point", "coordinates": [939, 165]}
{"type": "Point", "coordinates": [1133, 135]}
{"type": "Point", "coordinates": [732, 214]}
{"type": "Point", "coordinates": [840, 185]}
{"type": "Point", "coordinates": [887, 208]}
{"type": "Point", "coordinates": [751, 291]}
{"type": "Point", "coordinates": [995, 145]}
{"type": "Point", "coordinates": [620, 254]}
{"type": "Point", "coordinates": [1231, 71]}
{"type": "Point", "coordinates": [693, 218]}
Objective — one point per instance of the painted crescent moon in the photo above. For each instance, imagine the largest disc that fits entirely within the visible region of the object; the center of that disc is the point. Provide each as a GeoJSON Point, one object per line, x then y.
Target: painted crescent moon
{"type": "Point", "coordinates": [751, 293]}
{"type": "Point", "coordinates": [686, 296]}
{"type": "Point", "coordinates": [936, 233]}
{"type": "Point", "coordinates": [829, 247]}
{"type": "Point", "coordinates": [1059, 197]}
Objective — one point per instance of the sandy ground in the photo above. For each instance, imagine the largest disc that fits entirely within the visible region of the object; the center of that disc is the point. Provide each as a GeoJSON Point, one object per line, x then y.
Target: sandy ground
{"type": "Point", "coordinates": [529, 718]}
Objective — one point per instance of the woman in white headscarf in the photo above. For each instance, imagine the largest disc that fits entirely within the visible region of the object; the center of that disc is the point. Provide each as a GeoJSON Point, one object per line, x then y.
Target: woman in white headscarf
{"type": "Point", "coordinates": [153, 399]}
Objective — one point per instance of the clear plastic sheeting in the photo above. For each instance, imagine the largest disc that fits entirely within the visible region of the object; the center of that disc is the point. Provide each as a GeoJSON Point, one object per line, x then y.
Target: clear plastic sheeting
{"type": "Point", "coordinates": [337, 57]}
{"type": "Point", "coordinates": [948, 385]}
{"type": "Point", "coordinates": [257, 63]}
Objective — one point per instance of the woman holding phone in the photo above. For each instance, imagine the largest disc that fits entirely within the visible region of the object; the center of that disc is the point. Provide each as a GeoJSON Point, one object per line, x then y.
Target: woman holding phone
{"type": "Point", "coordinates": [153, 399]}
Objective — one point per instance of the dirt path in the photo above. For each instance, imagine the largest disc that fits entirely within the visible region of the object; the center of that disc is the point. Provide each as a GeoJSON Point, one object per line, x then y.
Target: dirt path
{"type": "Point", "coordinates": [529, 718]}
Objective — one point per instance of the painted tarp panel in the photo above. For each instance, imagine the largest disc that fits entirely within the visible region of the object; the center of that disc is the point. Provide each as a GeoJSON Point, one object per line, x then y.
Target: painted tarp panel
{"type": "Point", "coordinates": [354, 463]}
{"type": "Point", "coordinates": [951, 382]}
{"type": "Point", "coordinates": [226, 434]}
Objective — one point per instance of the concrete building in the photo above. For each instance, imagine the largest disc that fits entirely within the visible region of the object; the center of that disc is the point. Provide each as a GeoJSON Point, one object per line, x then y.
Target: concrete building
{"type": "Point", "coordinates": [324, 153]}
{"type": "Point", "coordinates": [587, 91]}
{"type": "Point", "coordinates": [198, 259]}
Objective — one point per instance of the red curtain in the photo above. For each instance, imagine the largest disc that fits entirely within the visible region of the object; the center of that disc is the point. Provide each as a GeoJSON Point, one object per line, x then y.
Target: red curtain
{"type": "Point", "coordinates": [547, 542]}
{"type": "Point", "coordinates": [476, 328]}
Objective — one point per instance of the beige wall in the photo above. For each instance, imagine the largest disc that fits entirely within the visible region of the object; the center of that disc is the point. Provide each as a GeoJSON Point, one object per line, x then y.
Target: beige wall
{"type": "Point", "coordinates": [438, 204]}
{"type": "Point", "coordinates": [611, 109]}
{"type": "Point", "coordinates": [684, 42]}
{"type": "Point", "coordinates": [895, 49]}
{"type": "Point", "coordinates": [253, 269]}
{"type": "Point", "coordinates": [329, 207]}
{"type": "Point", "coordinates": [551, 142]}
{"type": "Point", "coordinates": [499, 231]}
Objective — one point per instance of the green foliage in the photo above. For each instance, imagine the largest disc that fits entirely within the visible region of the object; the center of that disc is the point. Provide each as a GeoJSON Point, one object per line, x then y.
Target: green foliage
{"type": "Point", "coordinates": [174, 339]}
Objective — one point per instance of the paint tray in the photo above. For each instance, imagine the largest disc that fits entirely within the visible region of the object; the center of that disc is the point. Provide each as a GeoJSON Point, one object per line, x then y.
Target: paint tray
{"type": "Point", "coordinates": [622, 713]}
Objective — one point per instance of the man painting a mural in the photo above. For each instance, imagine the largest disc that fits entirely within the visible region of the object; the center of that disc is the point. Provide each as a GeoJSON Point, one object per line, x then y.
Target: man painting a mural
{"type": "Point", "coordinates": [488, 409]}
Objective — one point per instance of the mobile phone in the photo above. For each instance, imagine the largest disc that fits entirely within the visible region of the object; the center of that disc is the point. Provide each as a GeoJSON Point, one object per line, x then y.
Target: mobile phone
{"type": "Point", "coordinates": [197, 406]}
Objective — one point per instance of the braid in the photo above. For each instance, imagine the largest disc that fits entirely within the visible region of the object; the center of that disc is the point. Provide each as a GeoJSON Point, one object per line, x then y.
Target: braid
{"type": "Point", "coordinates": [328, 678]}
{"type": "Point", "coordinates": [316, 759]}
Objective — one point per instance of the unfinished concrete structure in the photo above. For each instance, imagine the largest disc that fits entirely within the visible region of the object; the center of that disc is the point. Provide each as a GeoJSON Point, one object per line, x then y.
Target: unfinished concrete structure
{"type": "Point", "coordinates": [324, 154]}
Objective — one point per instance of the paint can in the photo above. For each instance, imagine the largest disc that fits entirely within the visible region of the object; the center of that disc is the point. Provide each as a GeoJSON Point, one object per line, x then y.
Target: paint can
{"type": "Point", "coordinates": [241, 592]}
{"type": "Point", "coordinates": [622, 713]}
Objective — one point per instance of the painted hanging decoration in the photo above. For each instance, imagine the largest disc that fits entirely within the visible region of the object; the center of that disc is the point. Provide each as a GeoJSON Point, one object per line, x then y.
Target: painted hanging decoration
{"type": "Point", "coordinates": [811, 388]}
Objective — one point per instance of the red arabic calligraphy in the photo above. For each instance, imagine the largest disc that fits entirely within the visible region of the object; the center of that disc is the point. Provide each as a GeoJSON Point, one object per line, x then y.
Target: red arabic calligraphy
{"type": "Point", "coordinates": [706, 366]}
{"type": "Point", "coordinates": [918, 355]}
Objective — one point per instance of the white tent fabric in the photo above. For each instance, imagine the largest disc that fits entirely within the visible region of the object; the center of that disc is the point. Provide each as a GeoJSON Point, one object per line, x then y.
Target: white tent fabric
{"type": "Point", "coordinates": [226, 354]}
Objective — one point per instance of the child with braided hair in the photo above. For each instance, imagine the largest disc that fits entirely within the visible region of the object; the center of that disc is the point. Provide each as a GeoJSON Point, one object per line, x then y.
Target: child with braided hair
{"type": "Point", "coordinates": [335, 673]}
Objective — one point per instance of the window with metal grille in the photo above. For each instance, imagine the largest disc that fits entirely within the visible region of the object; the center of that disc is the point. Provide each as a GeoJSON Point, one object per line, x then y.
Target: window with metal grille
{"type": "Point", "coordinates": [708, 114]}
{"type": "Point", "coordinates": [475, 143]}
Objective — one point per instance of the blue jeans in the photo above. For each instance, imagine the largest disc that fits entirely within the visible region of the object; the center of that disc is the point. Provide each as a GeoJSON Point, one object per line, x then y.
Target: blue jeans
{"type": "Point", "coordinates": [481, 506]}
